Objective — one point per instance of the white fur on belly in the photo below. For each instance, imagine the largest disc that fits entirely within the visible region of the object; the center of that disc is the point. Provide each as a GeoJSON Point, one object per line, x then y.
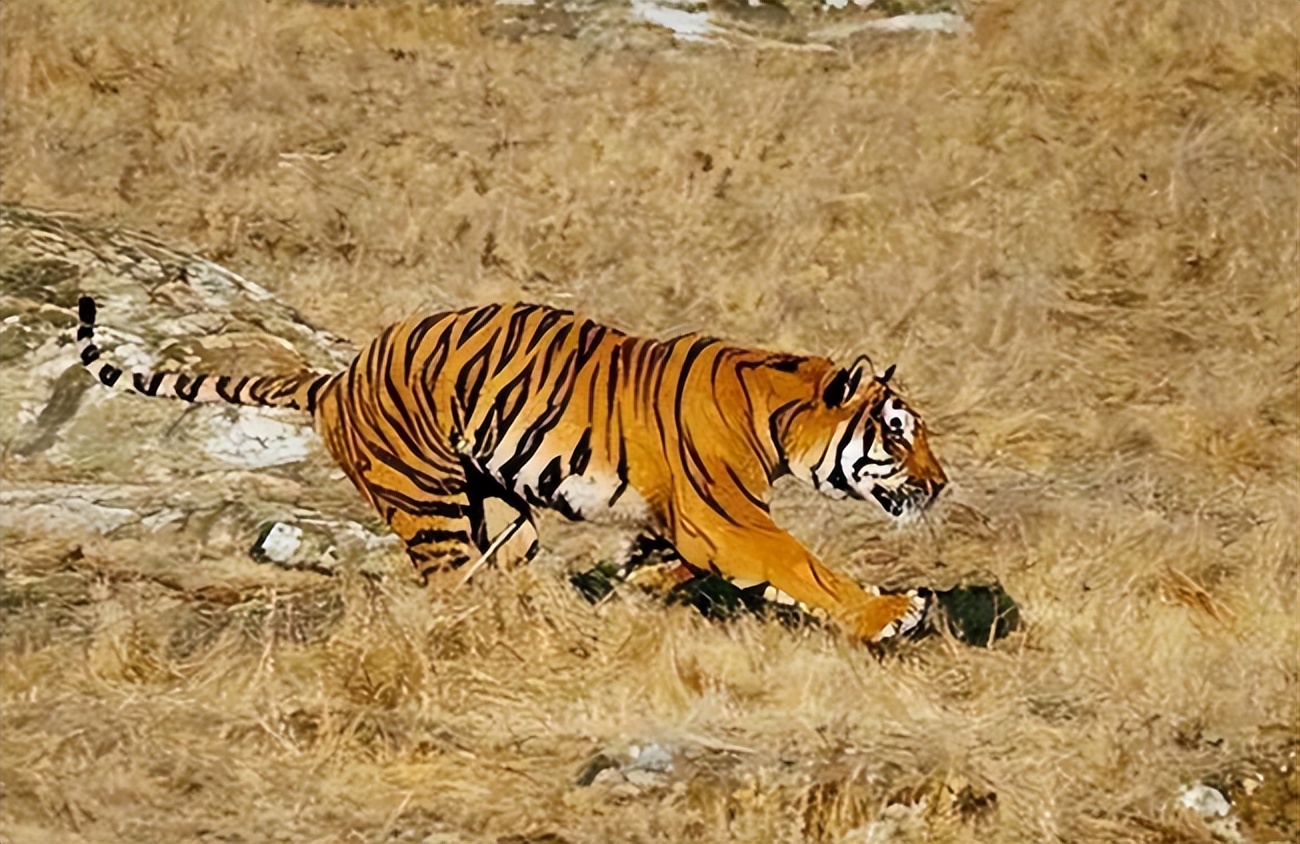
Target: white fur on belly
{"type": "Point", "coordinates": [588, 496]}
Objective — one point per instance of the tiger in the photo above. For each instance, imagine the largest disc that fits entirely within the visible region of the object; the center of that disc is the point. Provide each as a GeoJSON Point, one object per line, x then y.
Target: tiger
{"type": "Point", "coordinates": [542, 408]}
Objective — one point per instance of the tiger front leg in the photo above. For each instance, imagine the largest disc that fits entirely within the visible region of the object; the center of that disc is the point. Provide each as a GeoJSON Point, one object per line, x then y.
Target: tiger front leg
{"type": "Point", "coordinates": [755, 550]}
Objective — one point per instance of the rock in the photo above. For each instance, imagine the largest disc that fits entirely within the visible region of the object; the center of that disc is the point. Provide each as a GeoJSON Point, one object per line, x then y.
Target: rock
{"type": "Point", "coordinates": [88, 460]}
{"type": "Point", "coordinates": [640, 768]}
{"type": "Point", "coordinates": [253, 438]}
{"type": "Point", "coordinates": [277, 543]}
{"type": "Point", "coordinates": [645, 779]}
{"type": "Point", "coordinates": [594, 767]}
{"type": "Point", "coordinates": [944, 23]}
{"type": "Point", "coordinates": [50, 508]}
{"type": "Point", "coordinates": [1205, 801]}
{"type": "Point", "coordinates": [685, 25]}
{"type": "Point", "coordinates": [975, 613]}
{"type": "Point", "coordinates": [653, 757]}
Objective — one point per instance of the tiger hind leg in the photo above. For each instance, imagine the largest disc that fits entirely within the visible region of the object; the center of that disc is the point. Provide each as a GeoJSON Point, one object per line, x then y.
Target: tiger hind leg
{"type": "Point", "coordinates": [430, 513]}
{"type": "Point", "coordinates": [494, 510]}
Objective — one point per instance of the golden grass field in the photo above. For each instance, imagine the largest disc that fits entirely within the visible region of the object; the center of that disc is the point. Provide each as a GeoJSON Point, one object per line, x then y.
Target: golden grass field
{"type": "Point", "coordinates": [1075, 230]}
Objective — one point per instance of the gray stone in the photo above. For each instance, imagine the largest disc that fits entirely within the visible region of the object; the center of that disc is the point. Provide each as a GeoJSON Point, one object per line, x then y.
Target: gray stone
{"type": "Point", "coordinates": [652, 757]}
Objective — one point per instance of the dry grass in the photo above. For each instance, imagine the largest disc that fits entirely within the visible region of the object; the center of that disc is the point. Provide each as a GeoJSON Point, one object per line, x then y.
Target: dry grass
{"type": "Point", "coordinates": [1076, 230]}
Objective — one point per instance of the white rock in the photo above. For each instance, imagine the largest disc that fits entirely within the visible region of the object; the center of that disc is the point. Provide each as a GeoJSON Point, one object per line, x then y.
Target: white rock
{"type": "Point", "coordinates": [256, 440]}
{"type": "Point", "coordinates": [57, 507]}
{"type": "Point", "coordinates": [280, 542]}
{"type": "Point", "coordinates": [945, 22]}
{"type": "Point", "coordinates": [1205, 801]}
{"type": "Point", "coordinates": [942, 22]}
{"type": "Point", "coordinates": [686, 26]}
{"type": "Point", "coordinates": [652, 757]}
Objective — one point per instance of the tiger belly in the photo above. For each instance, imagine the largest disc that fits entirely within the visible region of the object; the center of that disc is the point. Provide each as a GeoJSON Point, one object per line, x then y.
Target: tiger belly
{"type": "Point", "coordinates": [593, 495]}
{"type": "Point", "coordinates": [597, 498]}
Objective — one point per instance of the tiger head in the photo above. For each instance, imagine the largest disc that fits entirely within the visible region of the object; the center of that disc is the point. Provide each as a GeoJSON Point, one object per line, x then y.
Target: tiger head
{"type": "Point", "coordinates": [856, 437]}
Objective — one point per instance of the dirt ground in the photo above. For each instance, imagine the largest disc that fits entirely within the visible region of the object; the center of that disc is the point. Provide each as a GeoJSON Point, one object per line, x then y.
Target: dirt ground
{"type": "Point", "coordinates": [1073, 227]}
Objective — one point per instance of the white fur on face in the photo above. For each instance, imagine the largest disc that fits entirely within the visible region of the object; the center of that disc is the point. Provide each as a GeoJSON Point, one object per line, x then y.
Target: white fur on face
{"type": "Point", "coordinates": [899, 420]}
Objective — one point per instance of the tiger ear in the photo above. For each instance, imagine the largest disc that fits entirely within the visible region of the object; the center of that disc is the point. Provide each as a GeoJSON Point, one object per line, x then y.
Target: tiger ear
{"type": "Point", "coordinates": [844, 385]}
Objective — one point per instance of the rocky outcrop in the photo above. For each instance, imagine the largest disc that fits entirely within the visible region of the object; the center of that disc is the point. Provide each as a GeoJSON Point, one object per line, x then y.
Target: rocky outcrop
{"type": "Point", "coordinates": [81, 459]}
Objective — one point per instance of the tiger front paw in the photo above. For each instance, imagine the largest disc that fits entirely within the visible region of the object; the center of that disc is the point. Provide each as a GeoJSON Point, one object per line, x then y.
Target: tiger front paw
{"type": "Point", "coordinates": [886, 616]}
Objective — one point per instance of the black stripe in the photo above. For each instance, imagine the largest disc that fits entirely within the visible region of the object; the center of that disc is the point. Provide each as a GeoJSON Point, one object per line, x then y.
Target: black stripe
{"type": "Point", "coordinates": [109, 375]}
{"type": "Point", "coordinates": [745, 491]}
{"type": "Point", "coordinates": [86, 310]}
{"type": "Point", "coordinates": [550, 479]}
{"type": "Point", "coordinates": [581, 453]}
{"type": "Point", "coordinates": [85, 332]}
{"type": "Point", "coordinates": [313, 392]}
{"type": "Point", "coordinates": [836, 478]}
{"type": "Point", "coordinates": [514, 334]}
{"type": "Point", "coordinates": [554, 349]}
{"type": "Point", "coordinates": [236, 396]}
{"type": "Point", "coordinates": [696, 349]}
{"type": "Point", "coordinates": [472, 375]}
{"type": "Point", "coordinates": [531, 441]}
{"type": "Point", "coordinates": [444, 561]}
{"type": "Point", "coordinates": [150, 387]}
{"type": "Point", "coordinates": [89, 355]}
{"type": "Point", "coordinates": [421, 480]}
{"type": "Point", "coordinates": [429, 536]}
{"type": "Point", "coordinates": [661, 357]}
{"type": "Point", "coordinates": [374, 412]}
{"type": "Point", "coordinates": [189, 390]}
{"type": "Point", "coordinates": [477, 321]}
{"type": "Point", "coordinates": [777, 423]}
{"type": "Point", "coordinates": [416, 338]}
{"type": "Point", "coordinates": [589, 337]}
{"type": "Point", "coordinates": [687, 453]}
{"type": "Point", "coordinates": [640, 368]}
{"type": "Point", "coordinates": [503, 413]}
{"type": "Point", "coordinates": [408, 428]}
{"type": "Point", "coordinates": [706, 495]}
{"type": "Point", "coordinates": [611, 389]}
{"type": "Point", "coordinates": [421, 425]}
{"type": "Point", "coordinates": [752, 433]}
{"type": "Point", "coordinates": [813, 568]}
{"type": "Point", "coordinates": [621, 471]}
{"type": "Point", "coordinates": [258, 389]}
{"type": "Point", "coordinates": [418, 507]}
{"type": "Point", "coordinates": [548, 319]}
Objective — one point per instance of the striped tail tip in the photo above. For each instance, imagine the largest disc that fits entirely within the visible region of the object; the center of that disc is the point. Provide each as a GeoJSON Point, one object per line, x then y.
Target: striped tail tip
{"type": "Point", "coordinates": [297, 391]}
